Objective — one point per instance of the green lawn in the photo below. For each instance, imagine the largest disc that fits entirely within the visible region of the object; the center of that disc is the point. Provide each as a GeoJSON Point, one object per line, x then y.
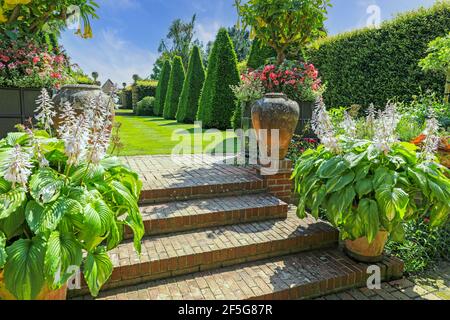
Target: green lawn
{"type": "Point", "coordinates": [154, 136]}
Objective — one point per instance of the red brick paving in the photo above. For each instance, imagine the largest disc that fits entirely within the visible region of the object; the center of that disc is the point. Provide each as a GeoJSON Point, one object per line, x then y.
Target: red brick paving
{"type": "Point", "coordinates": [299, 276]}
{"type": "Point", "coordinates": [201, 213]}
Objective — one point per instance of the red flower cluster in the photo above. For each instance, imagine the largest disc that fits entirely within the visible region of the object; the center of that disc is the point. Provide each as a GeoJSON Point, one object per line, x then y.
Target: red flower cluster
{"type": "Point", "coordinates": [20, 59]}
{"type": "Point", "coordinates": [287, 76]}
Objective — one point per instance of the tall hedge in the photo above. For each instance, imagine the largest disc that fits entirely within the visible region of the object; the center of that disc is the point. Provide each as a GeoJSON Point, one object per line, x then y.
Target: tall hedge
{"type": "Point", "coordinates": [161, 90]}
{"type": "Point", "coordinates": [217, 102]}
{"type": "Point", "coordinates": [259, 54]}
{"type": "Point", "coordinates": [174, 89]}
{"type": "Point", "coordinates": [192, 88]}
{"type": "Point", "coordinates": [375, 65]}
{"type": "Point", "coordinates": [142, 89]}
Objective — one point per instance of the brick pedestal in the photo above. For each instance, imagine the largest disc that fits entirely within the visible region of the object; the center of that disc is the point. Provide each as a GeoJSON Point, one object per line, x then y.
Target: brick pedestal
{"type": "Point", "coordinates": [277, 179]}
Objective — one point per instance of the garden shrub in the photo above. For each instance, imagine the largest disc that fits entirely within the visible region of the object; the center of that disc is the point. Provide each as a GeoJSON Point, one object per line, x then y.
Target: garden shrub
{"type": "Point", "coordinates": [161, 90]}
{"type": "Point", "coordinates": [375, 65]}
{"type": "Point", "coordinates": [423, 246]}
{"type": "Point", "coordinates": [174, 89]}
{"type": "Point", "coordinates": [142, 89]}
{"type": "Point", "coordinates": [145, 106]}
{"type": "Point", "coordinates": [259, 55]}
{"type": "Point", "coordinates": [217, 102]}
{"type": "Point", "coordinates": [192, 87]}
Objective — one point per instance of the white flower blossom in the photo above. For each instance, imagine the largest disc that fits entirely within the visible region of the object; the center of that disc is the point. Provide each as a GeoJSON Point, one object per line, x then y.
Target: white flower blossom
{"type": "Point", "coordinates": [45, 111]}
{"type": "Point", "coordinates": [18, 167]}
{"type": "Point", "coordinates": [37, 148]}
{"type": "Point", "coordinates": [349, 125]}
{"type": "Point", "coordinates": [385, 128]}
{"type": "Point", "coordinates": [323, 127]}
{"type": "Point", "coordinates": [67, 117]}
{"type": "Point", "coordinates": [432, 139]}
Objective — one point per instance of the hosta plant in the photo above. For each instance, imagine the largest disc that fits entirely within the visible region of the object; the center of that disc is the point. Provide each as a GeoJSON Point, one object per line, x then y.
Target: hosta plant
{"type": "Point", "coordinates": [364, 186]}
{"type": "Point", "coordinates": [63, 203]}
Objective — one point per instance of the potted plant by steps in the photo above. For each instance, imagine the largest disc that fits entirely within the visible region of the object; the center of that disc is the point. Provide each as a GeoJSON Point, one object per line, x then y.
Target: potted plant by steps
{"type": "Point", "coordinates": [63, 204]}
{"type": "Point", "coordinates": [297, 82]}
{"type": "Point", "coordinates": [26, 66]}
{"type": "Point", "coordinates": [368, 187]}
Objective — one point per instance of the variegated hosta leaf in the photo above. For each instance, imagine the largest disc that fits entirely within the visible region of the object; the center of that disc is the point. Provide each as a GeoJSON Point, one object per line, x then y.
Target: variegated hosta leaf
{"type": "Point", "coordinates": [17, 138]}
{"type": "Point", "coordinates": [11, 201]}
{"type": "Point", "coordinates": [3, 254]}
{"type": "Point", "coordinates": [63, 251]}
{"type": "Point", "coordinates": [24, 269]}
{"type": "Point", "coordinates": [5, 186]}
{"type": "Point", "coordinates": [98, 221]}
{"type": "Point", "coordinates": [45, 186]}
{"type": "Point", "coordinates": [42, 219]}
{"type": "Point", "coordinates": [97, 269]}
{"type": "Point", "coordinates": [134, 218]}
{"type": "Point", "coordinates": [368, 213]}
{"type": "Point", "coordinates": [13, 225]}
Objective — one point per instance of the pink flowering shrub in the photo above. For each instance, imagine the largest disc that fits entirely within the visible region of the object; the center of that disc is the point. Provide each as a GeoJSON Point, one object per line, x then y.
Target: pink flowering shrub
{"type": "Point", "coordinates": [27, 64]}
{"type": "Point", "coordinates": [298, 80]}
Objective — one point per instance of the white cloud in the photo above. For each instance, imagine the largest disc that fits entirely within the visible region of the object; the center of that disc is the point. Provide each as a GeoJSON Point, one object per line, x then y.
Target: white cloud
{"type": "Point", "coordinates": [111, 56]}
{"type": "Point", "coordinates": [207, 32]}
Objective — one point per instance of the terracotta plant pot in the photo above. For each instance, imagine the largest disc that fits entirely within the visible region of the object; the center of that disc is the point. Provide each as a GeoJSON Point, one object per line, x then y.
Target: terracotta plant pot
{"type": "Point", "coordinates": [275, 111]}
{"type": "Point", "coordinates": [45, 294]}
{"type": "Point", "coordinates": [361, 250]}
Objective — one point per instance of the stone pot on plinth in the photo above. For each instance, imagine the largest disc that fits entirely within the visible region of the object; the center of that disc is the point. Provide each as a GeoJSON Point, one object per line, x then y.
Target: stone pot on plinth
{"type": "Point", "coordinates": [275, 112]}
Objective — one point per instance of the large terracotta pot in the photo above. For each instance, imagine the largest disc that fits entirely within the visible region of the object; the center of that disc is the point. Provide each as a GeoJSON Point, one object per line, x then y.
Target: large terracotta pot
{"type": "Point", "coordinates": [79, 96]}
{"type": "Point", "coordinates": [275, 111]}
{"type": "Point", "coordinates": [361, 250]}
{"type": "Point", "coordinates": [45, 294]}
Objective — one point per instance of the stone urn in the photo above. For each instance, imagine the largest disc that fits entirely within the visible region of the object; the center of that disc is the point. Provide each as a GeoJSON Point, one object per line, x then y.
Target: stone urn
{"type": "Point", "coordinates": [275, 112]}
{"type": "Point", "coordinates": [79, 95]}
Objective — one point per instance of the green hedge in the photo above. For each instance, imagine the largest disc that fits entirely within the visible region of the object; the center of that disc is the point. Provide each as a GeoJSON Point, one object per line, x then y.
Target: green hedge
{"type": "Point", "coordinates": [161, 91]}
{"type": "Point", "coordinates": [217, 102]}
{"type": "Point", "coordinates": [174, 90]}
{"type": "Point", "coordinates": [259, 54]}
{"type": "Point", "coordinates": [142, 89]}
{"type": "Point", "coordinates": [375, 65]}
{"type": "Point", "coordinates": [126, 98]}
{"type": "Point", "coordinates": [192, 88]}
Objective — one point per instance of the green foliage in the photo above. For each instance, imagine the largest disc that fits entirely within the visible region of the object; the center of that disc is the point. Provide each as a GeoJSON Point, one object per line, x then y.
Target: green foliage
{"type": "Point", "coordinates": [363, 190]}
{"type": "Point", "coordinates": [145, 106]}
{"type": "Point", "coordinates": [192, 87]}
{"type": "Point", "coordinates": [142, 89]}
{"type": "Point", "coordinates": [438, 58]}
{"type": "Point", "coordinates": [174, 89]}
{"type": "Point", "coordinates": [423, 246]}
{"type": "Point", "coordinates": [241, 41]}
{"type": "Point", "coordinates": [259, 55]}
{"type": "Point", "coordinates": [29, 18]}
{"type": "Point", "coordinates": [127, 98]}
{"type": "Point", "coordinates": [285, 24]}
{"type": "Point", "coordinates": [161, 90]}
{"type": "Point", "coordinates": [64, 210]}
{"type": "Point", "coordinates": [217, 103]}
{"type": "Point", "coordinates": [375, 65]}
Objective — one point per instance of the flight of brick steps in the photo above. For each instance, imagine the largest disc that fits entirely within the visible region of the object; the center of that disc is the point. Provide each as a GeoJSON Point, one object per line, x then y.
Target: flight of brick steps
{"type": "Point", "coordinates": [218, 231]}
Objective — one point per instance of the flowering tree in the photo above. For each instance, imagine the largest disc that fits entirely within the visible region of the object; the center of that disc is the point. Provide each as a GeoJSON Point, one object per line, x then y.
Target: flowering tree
{"type": "Point", "coordinates": [285, 24]}
{"type": "Point", "coordinates": [439, 60]}
{"type": "Point", "coordinates": [30, 16]}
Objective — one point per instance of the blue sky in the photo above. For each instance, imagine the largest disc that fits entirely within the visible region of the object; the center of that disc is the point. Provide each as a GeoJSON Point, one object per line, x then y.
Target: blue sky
{"type": "Point", "coordinates": [127, 35]}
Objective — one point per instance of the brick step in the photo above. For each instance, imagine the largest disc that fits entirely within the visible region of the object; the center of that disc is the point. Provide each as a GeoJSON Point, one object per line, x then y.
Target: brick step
{"type": "Point", "coordinates": [175, 178]}
{"type": "Point", "coordinates": [190, 252]}
{"type": "Point", "coordinates": [196, 214]}
{"type": "Point", "coordinates": [300, 276]}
